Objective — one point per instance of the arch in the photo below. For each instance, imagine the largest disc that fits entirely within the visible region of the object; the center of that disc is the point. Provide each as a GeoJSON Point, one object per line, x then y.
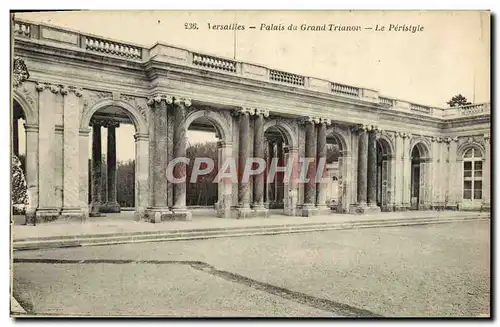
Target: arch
{"type": "Point", "coordinates": [215, 118]}
{"type": "Point", "coordinates": [422, 147]}
{"type": "Point", "coordinates": [289, 136]}
{"type": "Point", "coordinates": [466, 146]}
{"type": "Point", "coordinates": [341, 138]}
{"type": "Point", "coordinates": [135, 116]}
{"type": "Point", "coordinates": [29, 111]}
{"type": "Point", "coordinates": [386, 145]}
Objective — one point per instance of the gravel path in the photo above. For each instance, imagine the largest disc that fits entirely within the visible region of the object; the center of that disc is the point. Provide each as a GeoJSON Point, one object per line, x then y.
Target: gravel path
{"type": "Point", "coordinates": [433, 270]}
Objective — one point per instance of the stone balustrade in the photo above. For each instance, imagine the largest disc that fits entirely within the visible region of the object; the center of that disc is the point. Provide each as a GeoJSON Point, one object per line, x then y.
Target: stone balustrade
{"type": "Point", "coordinates": [176, 55]}
{"type": "Point", "coordinates": [474, 109]}
{"type": "Point", "coordinates": [105, 46]}
{"type": "Point", "coordinates": [287, 78]}
{"type": "Point", "coordinates": [420, 108]}
{"type": "Point", "coordinates": [345, 90]}
{"type": "Point", "coordinates": [214, 63]}
{"type": "Point", "coordinates": [22, 29]}
{"type": "Point", "coordinates": [386, 102]}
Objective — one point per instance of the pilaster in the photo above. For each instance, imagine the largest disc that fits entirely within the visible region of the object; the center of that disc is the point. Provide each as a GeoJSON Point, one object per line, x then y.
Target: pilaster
{"type": "Point", "coordinates": [83, 137]}
{"type": "Point", "coordinates": [141, 175]}
{"type": "Point", "coordinates": [72, 105]}
{"type": "Point", "coordinates": [179, 209]}
{"type": "Point", "coordinates": [47, 209]}
{"type": "Point", "coordinates": [159, 210]}
{"type": "Point", "coordinates": [31, 169]}
{"type": "Point", "coordinates": [486, 174]}
{"type": "Point", "coordinates": [454, 187]}
{"type": "Point", "coordinates": [259, 150]}
{"type": "Point", "coordinates": [321, 173]}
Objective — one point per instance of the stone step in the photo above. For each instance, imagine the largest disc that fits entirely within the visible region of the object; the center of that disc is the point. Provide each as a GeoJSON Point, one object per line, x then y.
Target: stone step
{"type": "Point", "coordinates": [191, 234]}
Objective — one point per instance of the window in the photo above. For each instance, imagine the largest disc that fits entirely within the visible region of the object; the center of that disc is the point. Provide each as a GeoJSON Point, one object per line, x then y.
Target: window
{"type": "Point", "coordinates": [473, 175]}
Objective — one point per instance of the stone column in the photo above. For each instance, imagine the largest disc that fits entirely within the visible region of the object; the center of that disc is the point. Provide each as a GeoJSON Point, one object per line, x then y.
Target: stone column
{"type": "Point", "coordinates": [47, 208]}
{"type": "Point", "coordinates": [293, 177]}
{"type": "Point", "coordinates": [15, 135]}
{"type": "Point", "coordinates": [321, 186]}
{"type": "Point", "coordinates": [372, 168]}
{"type": "Point", "coordinates": [434, 173]}
{"type": "Point", "coordinates": [179, 145]}
{"type": "Point", "coordinates": [398, 172]}
{"type": "Point", "coordinates": [141, 175]}
{"type": "Point", "coordinates": [309, 208]}
{"type": "Point", "coordinates": [96, 187]}
{"type": "Point", "coordinates": [243, 155]}
{"type": "Point", "coordinates": [159, 210]}
{"type": "Point", "coordinates": [279, 175]}
{"type": "Point", "coordinates": [72, 207]}
{"type": "Point", "coordinates": [84, 171]}
{"type": "Point", "coordinates": [362, 167]}
{"type": "Point", "coordinates": [406, 187]}
{"type": "Point", "coordinates": [111, 204]}
{"type": "Point", "coordinates": [486, 174]}
{"type": "Point", "coordinates": [225, 184]}
{"type": "Point", "coordinates": [271, 185]}
{"type": "Point", "coordinates": [31, 170]}
{"type": "Point", "coordinates": [258, 150]}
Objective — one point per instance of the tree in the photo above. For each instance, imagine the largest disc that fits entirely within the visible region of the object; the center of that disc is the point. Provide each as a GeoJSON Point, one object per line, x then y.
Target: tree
{"type": "Point", "coordinates": [458, 100]}
{"type": "Point", "coordinates": [19, 189]}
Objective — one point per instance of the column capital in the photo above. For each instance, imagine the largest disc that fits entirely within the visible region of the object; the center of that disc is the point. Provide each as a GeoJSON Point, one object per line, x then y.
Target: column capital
{"type": "Point", "coordinates": [345, 153]}
{"type": "Point", "coordinates": [182, 102]}
{"type": "Point", "coordinates": [309, 120]}
{"type": "Point", "coordinates": [158, 98]}
{"type": "Point", "coordinates": [404, 135]}
{"type": "Point", "coordinates": [111, 124]}
{"type": "Point", "coordinates": [324, 121]}
{"type": "Point", "coordinates": [40, 87]}
{"type": "Point", "coordinates": [487, 138]}
{"type": "Point", "coordinates": [78, 91]}
{"type": "Point", "coordinates": [244, 111]}
{"type": "Point", "coordinates": [141, 137]}
{"type": "Point", "coordinates": [436, 139]}
{"type": "Point", "coordinates": [263, 112]}
{"type": "Point", "coordinates": [97, 122]}
{"type": "Point", "coordinates": [450, 139]}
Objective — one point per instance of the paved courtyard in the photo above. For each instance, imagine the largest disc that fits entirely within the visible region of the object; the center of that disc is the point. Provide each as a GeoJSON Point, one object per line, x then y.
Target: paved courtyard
{"type": "Point", "coordinates": [429, 270]}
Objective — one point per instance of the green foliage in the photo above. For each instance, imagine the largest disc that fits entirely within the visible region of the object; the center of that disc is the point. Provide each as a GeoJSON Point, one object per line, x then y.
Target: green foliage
{"type": "Point", "coordinates": [458, 100]}
{"type": "Point", "coordinates": [125, 183]}
{"type": "Point", "coordinates": [19, 188]}
{"type": "Point", "coordinates": [203, 192]}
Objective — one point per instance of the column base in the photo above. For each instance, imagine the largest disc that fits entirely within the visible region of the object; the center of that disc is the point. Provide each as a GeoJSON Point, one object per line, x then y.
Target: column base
{"type": "Point", "coordinates": [260, 211]}
{"type": "Point", "coordinates": [72, 213]}
{"type": "Point", "coordinates": [244, 212]}
{"type": "Point", "coordinates": [158, 214]}
{"type": "Point", "coordinates": [110, 207]}
{"type": "Point", "coordinates": [485, 207]}
{"type": "Point", "coordinates": [181, 214]}
{"type": "Point", "coordinates": [291, 210]}
{"type": "Point", "coordinates": [95, 210]}
{"type": "Point", "coordinates": [47, 214]}
{"type": "Point", "coordinates": [140, 215]}
{"type": "Point", "coordinates": [223, 207]}
{"type": "Point", "coordinates": [309, 210]}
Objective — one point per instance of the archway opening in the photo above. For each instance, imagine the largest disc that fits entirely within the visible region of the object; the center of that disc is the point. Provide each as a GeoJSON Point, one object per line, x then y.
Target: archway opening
{"type": "Point", "coordinates": [111, 162]}
{"type": "Point", "coordinates": [276, 149]}
{"type": "Point", "coordinates": [415, 194]}
{"type": "Point", "coordinates": [334, 162]}
{"type": "Point", "coordinates": [18, 136]}
{"type": "Point", "coordinates": [203, 138]}
{"type": "Point", "coordinates": [383, 174]}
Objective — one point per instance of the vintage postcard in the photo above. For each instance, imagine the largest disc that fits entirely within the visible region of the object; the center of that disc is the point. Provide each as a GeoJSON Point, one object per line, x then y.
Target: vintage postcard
{"type": "Point", "coordinates": [207, 164]}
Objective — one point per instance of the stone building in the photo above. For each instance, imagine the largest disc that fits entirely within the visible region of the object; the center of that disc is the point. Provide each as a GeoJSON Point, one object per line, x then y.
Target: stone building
{"type": "Point", "coordinates": [394, 155]}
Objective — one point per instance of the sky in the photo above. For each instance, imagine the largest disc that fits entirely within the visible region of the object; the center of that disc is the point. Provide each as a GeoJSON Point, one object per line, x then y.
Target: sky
{"type": "Point", "coordinates": [450, 56]}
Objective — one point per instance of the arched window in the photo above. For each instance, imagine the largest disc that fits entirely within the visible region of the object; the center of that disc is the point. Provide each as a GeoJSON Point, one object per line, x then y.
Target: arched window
{"type": "Point", "coordinates": [473, 175]}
